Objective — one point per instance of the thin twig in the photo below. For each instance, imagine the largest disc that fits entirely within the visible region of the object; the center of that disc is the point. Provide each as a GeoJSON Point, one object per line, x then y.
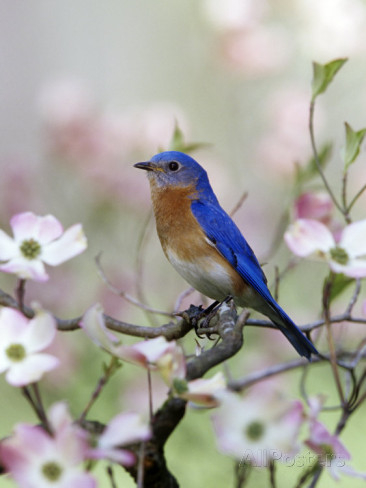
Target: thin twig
{"type": "Point", "coordinates": [123, 294]}
{"type": "Point", "coordinates": [37, 407]}
{"type": "Point", "coordinates": [110, 474]}
{"type": "Point", "coordinates": [139, 266]}
{"type": "Point", "coordinates": [333, 355]}
{"type": "Point", "coordinates": [181, 297]}
{"type": "Point", "coordinates": [149, 387]}
{"type": "Point", "coordinates": [317, 161]}
{"type": "Point", "coordinates": [354, 297]}
{"type": "Point", "coordinates": [19, 293]}
{"type": "Point", "coordinates": [355, 198]}
{"type": "Point", "coordinates": [109, 370]}
{"type": "Point", "coordinates": [238, 205]}
{"type": "Point", "coordinates": [43, 416]}
{"type": "Point", "coordinates": [140, 468]}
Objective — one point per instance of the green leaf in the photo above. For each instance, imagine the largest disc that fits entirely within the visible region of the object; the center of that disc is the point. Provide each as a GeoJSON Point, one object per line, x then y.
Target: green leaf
{"type": "Point", "coordinates": [353, 143]}
{"type": "Point", "coordinates": [177, 142]}
{"type": "Point", "coordinates": [339, 284]}
{"type": "Point", "coordinates": [310, 170]}
{"type": "Point", "coordinates": [323, 75]}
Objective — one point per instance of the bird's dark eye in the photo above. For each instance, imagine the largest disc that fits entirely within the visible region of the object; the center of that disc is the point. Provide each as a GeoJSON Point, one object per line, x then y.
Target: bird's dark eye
{"type": "Point", "coordinates": [173, 166]}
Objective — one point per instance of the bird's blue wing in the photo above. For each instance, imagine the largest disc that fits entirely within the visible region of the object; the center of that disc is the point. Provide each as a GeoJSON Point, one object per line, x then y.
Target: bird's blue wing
{"type": "Point", "coordinates": [229, 241]}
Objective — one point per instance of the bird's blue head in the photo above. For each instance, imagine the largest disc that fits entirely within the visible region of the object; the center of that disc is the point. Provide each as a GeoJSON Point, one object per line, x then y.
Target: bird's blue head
{"type": "Point", "coordinates": [175, 169]}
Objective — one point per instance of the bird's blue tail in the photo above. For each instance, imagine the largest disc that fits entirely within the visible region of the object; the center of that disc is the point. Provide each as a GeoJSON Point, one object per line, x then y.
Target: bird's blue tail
{"type": "Point", "coordinates": [300, 342]}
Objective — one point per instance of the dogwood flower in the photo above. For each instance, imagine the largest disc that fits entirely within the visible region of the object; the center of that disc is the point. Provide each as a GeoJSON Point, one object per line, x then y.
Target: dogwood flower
{"type": "Point", "coordinates": [314, 205]}
{"type": "Point", "coordinates": [37, 459]}
{"type": "Point", "coordinates": [38, 240]}
{"type": "Point", "coordinates": [157, 353]}
{"type": "Point", "coordinates": [310, 238]}
{"type": "Point", "coordinates": [255, 430]}
{"type": "Point", "coordinates": [124, 429]}
{"type": "Point", "coordinates": [21, 343]}
{"type": "Point", "coordinates": [332, 454]}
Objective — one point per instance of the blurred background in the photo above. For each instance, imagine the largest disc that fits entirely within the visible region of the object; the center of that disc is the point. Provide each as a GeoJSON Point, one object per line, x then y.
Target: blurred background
{"type": "Point", "coordinates": [88, 88]}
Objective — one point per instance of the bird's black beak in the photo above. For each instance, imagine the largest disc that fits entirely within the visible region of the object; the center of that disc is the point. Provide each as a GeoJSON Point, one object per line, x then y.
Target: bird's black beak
{"type": "Point", "coordinates": [148, 166]}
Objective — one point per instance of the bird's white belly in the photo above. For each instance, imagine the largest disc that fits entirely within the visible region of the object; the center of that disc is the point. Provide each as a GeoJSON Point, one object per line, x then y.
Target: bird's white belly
{"type": "Point", "coordinates": [205, 275]}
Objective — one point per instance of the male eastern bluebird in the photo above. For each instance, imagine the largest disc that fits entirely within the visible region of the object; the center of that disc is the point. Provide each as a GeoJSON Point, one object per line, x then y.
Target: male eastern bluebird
{"type": "Point", "coordinates": [205, 246]}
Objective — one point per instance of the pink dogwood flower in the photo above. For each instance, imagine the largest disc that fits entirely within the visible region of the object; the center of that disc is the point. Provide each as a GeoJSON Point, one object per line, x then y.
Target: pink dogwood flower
{"type": "Point", "coordinates": [314, 205]}
{"type": "Point", "coordinates": [157, 354]}
{"type": "Point", "coordinates": [37, 459]}
{"type": "Point", "coordinates": [38, 240]}
{"type": "Point", "coordinates": [21, 344]}
{"type": "Point", "coordinates": [124, 429]}
{"type": "Point", "coordinates": [331, 452]}
{"type": "Point", "coordinates": [256, 430]}
{"type": "Point", "coordinates": [310, 238]}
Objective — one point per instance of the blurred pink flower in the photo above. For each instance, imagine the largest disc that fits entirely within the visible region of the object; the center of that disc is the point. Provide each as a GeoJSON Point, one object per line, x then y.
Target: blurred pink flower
{"type": "Point", "coordinates": [247, 428]}
{"type": "Point", "coordinates": [154, 125]}
{"type": "Point", "coordinates": [22, 341]}
{"type": "Point", "coordinates": [287, 141]}
{"type": "Point", "coordinates": [331, 28]}
{"type": "Point", "coordinates": [326, 445]}
{"type": "Point", "coordinates": [36, 459]}
{"type": "Point", "coordinates": [38, 240]}
{"type": "Point", "coordinates": [257, 51]}
{"type": "Point", "coordinates": [234, 14]}
{"type": "Point", "coordinates": [314, 205]}
{"type": "Point", "coordinates": [332, 454]}
{"type": "Point", "coordinates": [310, 238]}
{"type": "Point", "coordinates": [124, 429]}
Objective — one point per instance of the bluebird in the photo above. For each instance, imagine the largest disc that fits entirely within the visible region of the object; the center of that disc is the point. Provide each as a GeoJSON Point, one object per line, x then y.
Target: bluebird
{"type": "Point", "coordinates": [205, 246]}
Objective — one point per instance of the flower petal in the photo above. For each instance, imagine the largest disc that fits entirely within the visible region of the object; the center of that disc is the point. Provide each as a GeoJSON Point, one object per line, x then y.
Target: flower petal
{"type": "Point", "coordinates": [40, 332]}
{"type": "Point", "coordinates": [202, 391]}
{"type": "Point", "coordinates": [12, 324]}
{"type": "Point", "coordinates": [356, 268]}
{"type": "Point", "coordinates": [49, 229]}
{"type": "Point", "coordinates": [353, 239]}
{"type": "Point", "coordinates": [70, 244]}
{"type": "Point", "coordinates": [94, 326]}
{"type": "Point", "coordinates": [120, 456]}
{"type": "Point", "coordinates": [24, 226]}
{"type": "Point", "coordinates": [26, 269]}
{"type": "Point", "coordinates": [31, 369]}
{"type": "Point", "coordinates": [8, 247]}
{"type": "Point", "coordinates": [306, 236]}
{"type": "Point", "coordinates": [124, 428]}
{"type": "Point", "coordinates": [153, 349]}
{"type": "Point", "coordinates": [80, 480]}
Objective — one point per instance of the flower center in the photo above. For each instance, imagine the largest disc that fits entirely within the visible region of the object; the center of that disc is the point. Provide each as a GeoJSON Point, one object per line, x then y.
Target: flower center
{"type": "Point", "coordinates": [52, 471]}
{"type": "Point", "coordinates": [339, 255]}
{"type": "Point", "coordinates": [255, 430]}
{"type": "Point", "coordinates": [180, 386]}
{"type": "Point", "coordinates": [30, 249]}
{"type": "Point", "coordinates": [15, 352]}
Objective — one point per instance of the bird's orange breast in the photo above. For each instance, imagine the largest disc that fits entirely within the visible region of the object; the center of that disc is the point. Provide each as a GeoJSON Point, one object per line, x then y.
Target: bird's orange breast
{"type": "Point", "coordinates": [176, 225]}
{"type": "Point", "coordinates": [184, 241]}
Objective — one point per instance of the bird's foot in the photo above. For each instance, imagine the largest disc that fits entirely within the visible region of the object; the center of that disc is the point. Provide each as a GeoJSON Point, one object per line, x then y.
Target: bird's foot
{"type": "Point", "coordinates": [194, 315]}
{"type": "Point", "coordinates": [201, 318]}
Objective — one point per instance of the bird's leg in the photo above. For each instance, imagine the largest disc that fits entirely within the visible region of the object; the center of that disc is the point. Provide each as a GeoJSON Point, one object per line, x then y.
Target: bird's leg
{"type": "Point", "coordinates": [209, 313]}
{"type": "Point", "coordinates": [212, 310]}
{"type": "Point", "coordinates": [195, 314]}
